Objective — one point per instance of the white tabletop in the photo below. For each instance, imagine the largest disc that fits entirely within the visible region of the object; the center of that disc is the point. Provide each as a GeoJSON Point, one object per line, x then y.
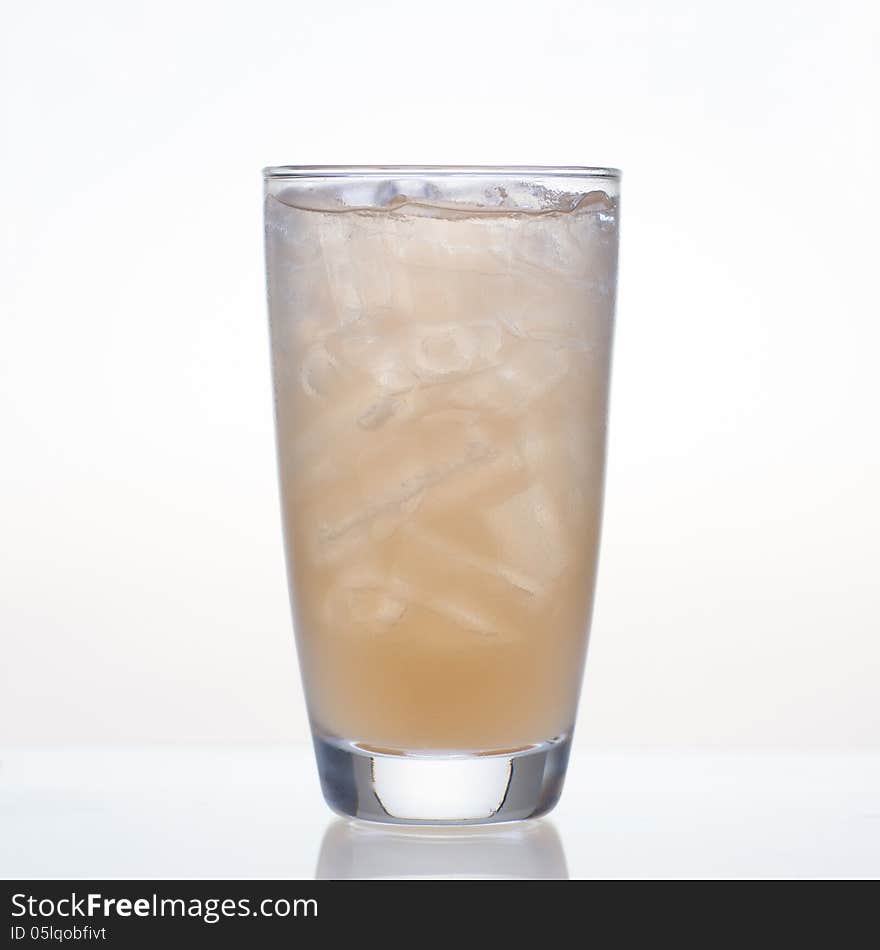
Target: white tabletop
{"type": "Point", "coordinates": [257, 812]}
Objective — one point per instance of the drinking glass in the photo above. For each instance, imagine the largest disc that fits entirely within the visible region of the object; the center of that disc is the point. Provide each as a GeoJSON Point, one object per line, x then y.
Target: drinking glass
{"type": "Point", "coordinates": [441, 342]}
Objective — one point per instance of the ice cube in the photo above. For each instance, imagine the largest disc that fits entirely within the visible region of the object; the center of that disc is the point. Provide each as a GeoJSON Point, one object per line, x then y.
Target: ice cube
{"type": "Point", "coordinates": [382, 354]}
{"type": "Point", "coordinates": [318, 429]}
{"type": "Point", "coordinates": [480, 559]}
{"type": "Point", "coordinates": [363, 599]}
{"type": "Point", "coordinates": [420, 455]}
{"type": "Point", "coordinates": [381, 411]}
{"type": "Point", "coordinates": [344, 300]}
{"type": "Point", "coordinates": [564, 318]}
{"type": "Point", "coordinates": [469, 594]}
{"type": "Point", "coordinates": [454, 349]}
{"type": "Point", "coordinates": [496, 471]}
{"type": "Point", "coordinates": [526, 372]}
{"type": "Point", "coordinates": [319, 371]}
{"type": "Point", "coordinates": [374, 606]}
{"type": "Point", "coordinates": [530, 535]}
{"type": "Point", "coordinates": [344, 521]}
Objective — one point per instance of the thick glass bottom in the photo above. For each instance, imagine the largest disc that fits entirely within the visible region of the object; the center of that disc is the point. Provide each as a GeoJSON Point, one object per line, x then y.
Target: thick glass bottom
{"type": "Point", "coordinates": [441, 788]}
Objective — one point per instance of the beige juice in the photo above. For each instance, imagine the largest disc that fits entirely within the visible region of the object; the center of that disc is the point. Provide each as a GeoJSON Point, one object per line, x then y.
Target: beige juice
{"type": "Point", "coordinates": [441, 378]}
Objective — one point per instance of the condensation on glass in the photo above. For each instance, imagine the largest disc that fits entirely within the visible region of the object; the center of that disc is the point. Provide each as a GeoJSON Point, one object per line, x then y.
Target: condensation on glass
{"type": "Point", "coordinates": [441, 342]}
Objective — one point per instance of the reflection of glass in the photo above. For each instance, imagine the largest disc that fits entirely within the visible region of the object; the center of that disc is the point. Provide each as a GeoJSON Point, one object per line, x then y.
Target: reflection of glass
{"type": "Point", "coordinates": [441, 342]}
{"type": "Point", "coordinates": [357, 851]}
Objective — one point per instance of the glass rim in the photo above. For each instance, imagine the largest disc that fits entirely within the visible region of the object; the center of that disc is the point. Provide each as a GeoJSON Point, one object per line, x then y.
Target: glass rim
{"type": "Point", "coordinates": [488, 171]}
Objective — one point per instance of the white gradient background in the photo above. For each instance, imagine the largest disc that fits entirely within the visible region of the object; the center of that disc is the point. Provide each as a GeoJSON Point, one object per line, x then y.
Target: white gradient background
{"type": "Point", "coordinates": [142, 591]}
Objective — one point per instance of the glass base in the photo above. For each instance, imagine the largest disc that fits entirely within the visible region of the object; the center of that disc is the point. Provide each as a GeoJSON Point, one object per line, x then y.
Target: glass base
{"type": "Point", "coordinates": [441, 789]}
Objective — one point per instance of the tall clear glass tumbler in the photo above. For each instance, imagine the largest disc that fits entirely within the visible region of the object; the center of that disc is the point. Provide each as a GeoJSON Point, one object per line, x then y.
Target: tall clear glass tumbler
{"type": "Point", "coordinates": [441, 342]}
